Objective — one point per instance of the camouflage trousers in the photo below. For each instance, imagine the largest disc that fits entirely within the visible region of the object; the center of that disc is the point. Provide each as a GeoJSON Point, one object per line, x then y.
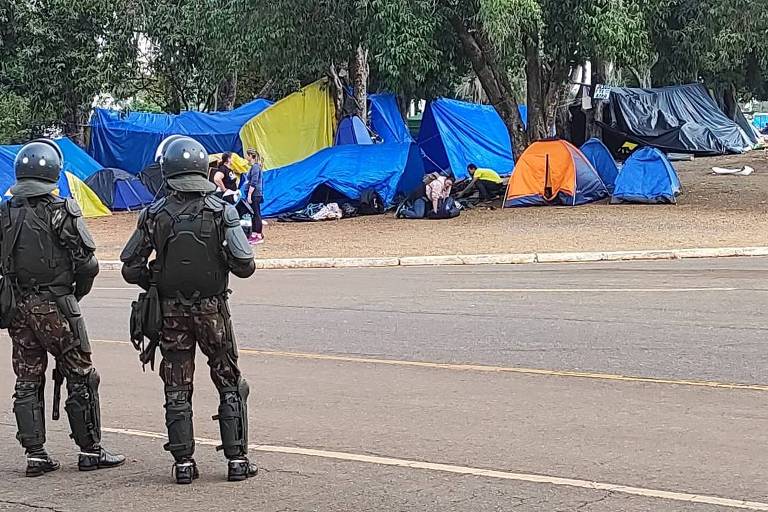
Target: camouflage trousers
{"type": "Point", "coordinates": [207, 325]}
{"type": "Point", "coordinates": [39, 328]}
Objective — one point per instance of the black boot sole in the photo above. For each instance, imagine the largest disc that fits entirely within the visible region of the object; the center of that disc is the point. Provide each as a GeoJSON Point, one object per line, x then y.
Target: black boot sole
{"type": "Point", "coordinates": [40, 472]}
{"type": "Point", "coordinates": [96, 468]}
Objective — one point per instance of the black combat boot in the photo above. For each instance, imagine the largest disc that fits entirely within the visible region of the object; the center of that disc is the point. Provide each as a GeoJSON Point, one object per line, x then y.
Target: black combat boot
{"type": "Point", "coordinates": [185, 471]}
{"type": "Point", "coordinates": [240, 469]}
{"type": "Point", "coordinates": [98, 458]}
{"type": "Point", "coordinates": [38, 465]}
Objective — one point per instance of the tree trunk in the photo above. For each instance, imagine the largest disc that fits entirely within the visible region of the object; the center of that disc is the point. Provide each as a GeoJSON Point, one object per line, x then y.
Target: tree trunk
{"type": "Point", "coordinates": [535, 97]}
{"type": "Point", "coordinates": [75, 120]}
{"type": "Point", "coordinates": [337, 91]}
{"type": "Point", "coordinates": [358, 73]}
{"type": "Point", "coordinates": [266, 89]}
{"type": "Point", "coordinates": [494, 81]}
{"type": "Point", "coordinates": [227, 93]}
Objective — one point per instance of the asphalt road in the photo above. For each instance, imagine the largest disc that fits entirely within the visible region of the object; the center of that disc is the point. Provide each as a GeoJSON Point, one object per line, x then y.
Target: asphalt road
{"type": "Point", "coordinates": [450, 388]}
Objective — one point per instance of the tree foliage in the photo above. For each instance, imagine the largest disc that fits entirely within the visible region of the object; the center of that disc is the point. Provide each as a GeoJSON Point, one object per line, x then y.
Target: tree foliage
{"type": "Point", "coordinates": [59, 54]}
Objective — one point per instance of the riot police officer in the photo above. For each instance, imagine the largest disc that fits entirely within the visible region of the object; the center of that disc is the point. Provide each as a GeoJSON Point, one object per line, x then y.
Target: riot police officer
{"type": "Point", "coordinates": [48, 265]}
{"type": "Point", "coordinates": [197, 241]}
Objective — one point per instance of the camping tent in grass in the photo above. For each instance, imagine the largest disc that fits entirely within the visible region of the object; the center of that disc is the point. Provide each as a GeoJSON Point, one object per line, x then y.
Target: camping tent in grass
{"type": "Point", "coordinates": [386, 120]}
{"type": "Point", "coordinates": [553, 172]}
{"type": "Point", "coordinates": [77, 166]}
{"type": "Point", "coordinates": [119, 190]}
{"type": "Point", "coordinates": [602, 161]}
{"type": "Point", "coordinates": [295, 127]}
{"type": "Point", "coordinates": [352, 130]}
{"type": "Point", "coordinates": [346, 170]}
{"type": "Point", "coordinates": [647, 177]}
{"type": "Point", "coordinates": [129, 141]}
{"type": "Point", "coordinates": [455, 133]}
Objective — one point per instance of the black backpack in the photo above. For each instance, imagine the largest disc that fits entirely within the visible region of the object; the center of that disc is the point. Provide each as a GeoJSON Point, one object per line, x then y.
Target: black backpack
{"type": "Point", "coordinates": [371, 203]}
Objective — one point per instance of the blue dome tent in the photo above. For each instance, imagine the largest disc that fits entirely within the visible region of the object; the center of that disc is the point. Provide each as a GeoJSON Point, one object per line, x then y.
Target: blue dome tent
{"type": "Point", "coordinates": [647, 177]}
{"type": "Point", "coordinates": [119, 190]}
{"type": "Point", "coordinates": [352, 130]}
{"type": "Point", "coordinates": [602, 161]}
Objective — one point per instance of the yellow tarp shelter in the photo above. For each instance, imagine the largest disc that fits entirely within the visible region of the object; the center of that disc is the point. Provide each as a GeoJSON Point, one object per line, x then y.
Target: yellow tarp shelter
{"type": "Point", "coordinates": [70, 186]}
{"type": "Point", "coordinates": [295, 127]}
{"type": "Point", "coordinates": [87, 199]}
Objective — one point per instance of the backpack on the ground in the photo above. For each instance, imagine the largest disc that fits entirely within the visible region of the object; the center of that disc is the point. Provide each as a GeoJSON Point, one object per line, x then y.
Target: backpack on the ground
{"type": "Point", "coordinates": [371, 203]}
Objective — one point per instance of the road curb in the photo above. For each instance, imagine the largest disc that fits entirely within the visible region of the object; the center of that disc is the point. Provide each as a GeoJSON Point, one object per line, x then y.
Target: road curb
{"type": "Point", "coordinates": [497, 259]}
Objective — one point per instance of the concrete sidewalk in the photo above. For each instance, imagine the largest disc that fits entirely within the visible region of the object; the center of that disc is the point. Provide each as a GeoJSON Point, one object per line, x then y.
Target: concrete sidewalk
{"type": "Point", "coordinates": [497, 259]}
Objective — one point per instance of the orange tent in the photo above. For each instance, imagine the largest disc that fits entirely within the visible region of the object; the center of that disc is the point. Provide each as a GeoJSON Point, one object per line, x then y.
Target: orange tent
{"type": "Point", "coordinates": [553, 172]}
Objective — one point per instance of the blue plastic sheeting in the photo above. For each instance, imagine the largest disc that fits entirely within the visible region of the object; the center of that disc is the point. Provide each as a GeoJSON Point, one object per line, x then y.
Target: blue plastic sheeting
{"type": "Point", "coordinates": [129, 142]}
{"type": "Point", "coordinates": [386, 119]}
{"type": "Point", "coordinates": [352, 130]}
{"type": "Point", "coordinates": [76, 161]}
{"type": "Point", "coordinates": [760, 121]}
{"type": "Point", "coordinates": [647, 177]}
{"type": "Point", "coordinates": [388, 168]}
{"type": "Point", "coordinates": [456, 133]}
{"type": "Point", "coordinates": [602, 161]}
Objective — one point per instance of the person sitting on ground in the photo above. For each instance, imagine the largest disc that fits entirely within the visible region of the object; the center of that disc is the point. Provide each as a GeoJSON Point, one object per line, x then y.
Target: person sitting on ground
{"type": "Point", "coordinates": [487, 182]}
{"type": "Point", "coordinates": [255, 196]}
{"type": "Point", "coordinates": [226, 180]}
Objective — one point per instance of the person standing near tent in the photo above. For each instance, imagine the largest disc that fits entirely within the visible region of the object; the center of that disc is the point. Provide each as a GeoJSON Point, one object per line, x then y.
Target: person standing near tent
{"type": "Point", "coordinates": [487, 182]}
{"type": "Point", "coordinates": [197, 242]}
{"type": "Point", "coordinates": [48, 266]}
{"type": "Point", "coordinates": [226, 180]}
{"type": "Point", "coordinates": [255, 195]}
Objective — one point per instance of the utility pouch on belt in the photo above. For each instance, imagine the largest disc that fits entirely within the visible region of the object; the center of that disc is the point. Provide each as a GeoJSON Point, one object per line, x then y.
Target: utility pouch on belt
{"type": "Point", "coordinates": [7, 302]}
{"type": "Point", "coordinates": [146, 322]}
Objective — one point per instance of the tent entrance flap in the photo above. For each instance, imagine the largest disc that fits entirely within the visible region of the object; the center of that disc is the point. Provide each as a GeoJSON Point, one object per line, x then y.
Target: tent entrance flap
{"type": "Point", "coordinates": [547, 183]}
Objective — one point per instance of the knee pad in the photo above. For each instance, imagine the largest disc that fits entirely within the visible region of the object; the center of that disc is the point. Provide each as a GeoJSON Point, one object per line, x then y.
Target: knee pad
{"type": "Point", "coordinates": [233, 419]}
{"type": "Point", "coordinates": [82, 408]}
{"type": "Point", "coordinates": [178, 420]}
{"type": "Point", "coordinates": [29, 409]}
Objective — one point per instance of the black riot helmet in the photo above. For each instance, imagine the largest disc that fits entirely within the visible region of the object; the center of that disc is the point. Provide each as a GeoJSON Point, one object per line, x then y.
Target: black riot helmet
{"type": "Point", "coordinates": [181, 155]}
{"type": "Point", "coordinates": [40, 160]}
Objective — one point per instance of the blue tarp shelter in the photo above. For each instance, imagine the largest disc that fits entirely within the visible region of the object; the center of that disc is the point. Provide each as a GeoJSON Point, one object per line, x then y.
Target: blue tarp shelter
{"type": "Point", "coordinates": [386, 119]}
{"type": "Point", "coordinates": [646, 177]}
{"type": "Point", "coordinates": [352, 130]}
{"type": "Point", "coordinates": [78, 166]}
{"type": "Point", "coordinates": [456, 133]}
{"type": "Point", "coordinates": [129, 142]}
{"type": "Point", "coordinates": [119, 190]}
{"type": "Point", "coordinates": [602, 160]}
{"type": "Point", "coordinates": [349, 169]}
{"type": "Point", "coordinates": [76, 161]}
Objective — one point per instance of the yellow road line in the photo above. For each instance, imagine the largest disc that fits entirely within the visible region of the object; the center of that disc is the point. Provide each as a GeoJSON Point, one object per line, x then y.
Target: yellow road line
{"type": "Point", "coordinates": [478, 472]}
{"type": "Point", "coordinates": [492, 369]}
{"type": "Point", "coordinates": [583, 290]}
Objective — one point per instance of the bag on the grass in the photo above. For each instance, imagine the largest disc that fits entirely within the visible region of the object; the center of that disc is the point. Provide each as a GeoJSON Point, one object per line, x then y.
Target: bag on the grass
{"type": "Point", "coordinates": [371, 203]}
{"type": "Point", "coordinates": [447, 208]}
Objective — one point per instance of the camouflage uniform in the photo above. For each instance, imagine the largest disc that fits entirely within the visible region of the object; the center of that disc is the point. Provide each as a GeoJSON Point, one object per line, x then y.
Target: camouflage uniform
{"type": "Point", "coordinates": [48, 255]}
{"type": "Point", "coordinates": [197, 242]}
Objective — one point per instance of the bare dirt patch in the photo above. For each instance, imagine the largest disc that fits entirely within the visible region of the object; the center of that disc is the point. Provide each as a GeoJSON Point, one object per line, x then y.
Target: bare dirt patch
{"type": "Point", "coordinates": [713, 211]}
